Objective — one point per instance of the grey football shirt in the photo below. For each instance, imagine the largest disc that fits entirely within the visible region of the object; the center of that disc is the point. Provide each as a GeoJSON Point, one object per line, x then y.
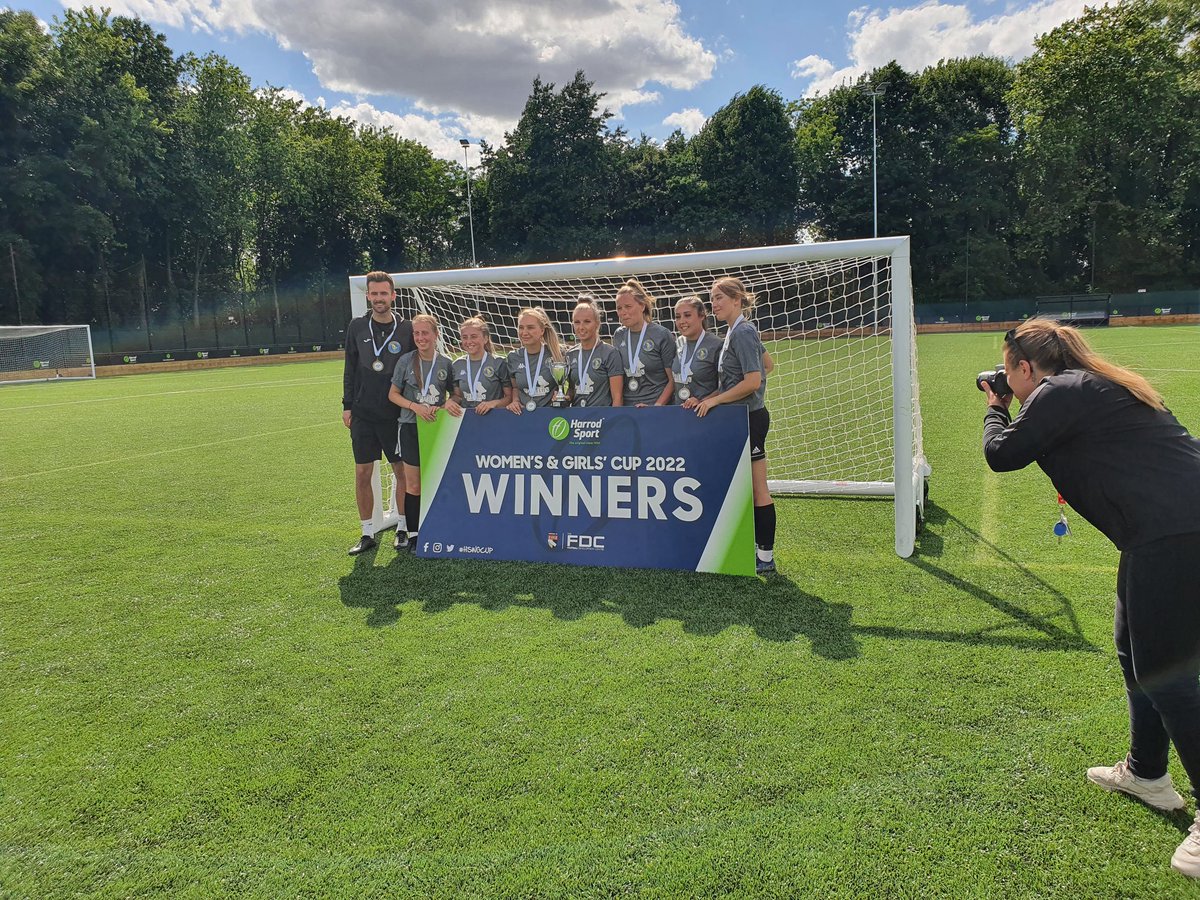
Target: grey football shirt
{"type": "Point", "coordinates": [602, 361]}
{"type": "Point", "coordinates": [744, 355]}
{"type": "Point", "coordinates": [543, 382]}
{"type": "Point", "coordinates": [646, 378]}
{"type": "Point", "coordinates": [405, 379]}
{"type": "Point", "coordinates": [490, 376]}
{"type": "Point", "coordinates": [701, 356]}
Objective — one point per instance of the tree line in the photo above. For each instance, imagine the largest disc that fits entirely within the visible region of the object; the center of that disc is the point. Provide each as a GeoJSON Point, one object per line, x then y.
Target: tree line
{"type": "Point", "coordinates": [138, 186]}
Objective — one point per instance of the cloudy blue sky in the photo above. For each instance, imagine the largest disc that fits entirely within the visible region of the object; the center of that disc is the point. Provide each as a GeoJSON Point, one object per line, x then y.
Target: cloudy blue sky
{"type": "Point", "coordinates": [439, 70]}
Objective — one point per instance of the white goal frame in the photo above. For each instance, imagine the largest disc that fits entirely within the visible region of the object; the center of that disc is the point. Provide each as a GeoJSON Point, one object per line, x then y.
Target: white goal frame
{"type": "Point", "coordinates": [909, 467]}
{"type": "Point", "coordinates": [43, 369]}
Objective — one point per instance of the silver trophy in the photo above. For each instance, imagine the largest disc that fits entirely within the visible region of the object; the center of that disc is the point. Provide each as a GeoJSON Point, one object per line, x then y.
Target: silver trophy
{"type": "Point", "coordinates": [558, 371]}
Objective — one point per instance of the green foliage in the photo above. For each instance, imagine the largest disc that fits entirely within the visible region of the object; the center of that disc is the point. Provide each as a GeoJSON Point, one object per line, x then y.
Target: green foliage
{"type": "Point", "coordinates": [745, 158]}
{"type": "Point", "coordinates": [550, 185]}
{"type": "Point", "coordinates": [1109, 143]}
{"type": "Point", "coordinates": [945, 171]}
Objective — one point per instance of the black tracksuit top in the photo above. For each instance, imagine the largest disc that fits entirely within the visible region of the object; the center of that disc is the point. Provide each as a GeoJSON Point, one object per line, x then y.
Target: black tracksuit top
{"type": "Point", "coordinates": [365, 391]}
{"type": "Point", "coordinates": [1131, 470]}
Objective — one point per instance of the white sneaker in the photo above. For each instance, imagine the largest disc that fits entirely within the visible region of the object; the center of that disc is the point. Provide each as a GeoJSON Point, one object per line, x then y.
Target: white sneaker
{"type": "Point", "coordinates": [1156, 792]}
{"type": "Point", "coordinates": [1187, 855]}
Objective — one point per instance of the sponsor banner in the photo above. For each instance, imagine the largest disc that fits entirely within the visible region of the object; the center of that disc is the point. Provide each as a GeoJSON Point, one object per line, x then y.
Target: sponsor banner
{"type": "Point", "coordinates": [646, 488]}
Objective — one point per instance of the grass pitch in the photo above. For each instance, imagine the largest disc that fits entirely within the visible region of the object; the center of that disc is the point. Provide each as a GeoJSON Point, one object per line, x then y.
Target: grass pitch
{"type": "Point", "coordinates": [201, 694]}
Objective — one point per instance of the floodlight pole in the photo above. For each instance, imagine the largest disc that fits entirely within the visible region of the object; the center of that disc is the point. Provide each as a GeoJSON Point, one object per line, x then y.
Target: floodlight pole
{"type": "Point", "coordinates": [470, 211]}
{"type": "Point", "coordinates": [1092, 273]}
{"type": "Point", "coordinates": [874, 93]}
{"type": "Point", "coordinates": [12, 258]}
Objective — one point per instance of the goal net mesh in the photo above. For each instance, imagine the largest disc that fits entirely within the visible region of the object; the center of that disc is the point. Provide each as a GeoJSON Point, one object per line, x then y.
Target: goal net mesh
{"type": "Point", "coordinates": [826, 323]}
{"type": "Point", "coordinates": [44, 352]}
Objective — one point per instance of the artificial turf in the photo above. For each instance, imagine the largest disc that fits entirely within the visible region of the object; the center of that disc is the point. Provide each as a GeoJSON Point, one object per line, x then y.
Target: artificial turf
{"type": "Point", "coordinates": [201, 694]}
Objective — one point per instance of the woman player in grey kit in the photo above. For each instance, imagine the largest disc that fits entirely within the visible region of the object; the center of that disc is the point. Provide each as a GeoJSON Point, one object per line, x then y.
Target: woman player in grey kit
{"type": "Point", "coordinates": [594, 368]}
{"type": "Point", "coordinates": [1116, 454]}
{"type": "Point", "coordinates": [695, 368]}
{"type": "Point", "coordinates": [647, 349]}
{"type": "Point", "coordinates": [743, 365]}
{"type": "Point", "coordinates": [481, 379]}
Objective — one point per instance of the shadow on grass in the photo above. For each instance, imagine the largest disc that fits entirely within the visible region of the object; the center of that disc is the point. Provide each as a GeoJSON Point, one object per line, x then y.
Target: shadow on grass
{"type": "Point", "coordinates": [776, 609]}
{"type": "Point", "coordinates": [1056, 637]}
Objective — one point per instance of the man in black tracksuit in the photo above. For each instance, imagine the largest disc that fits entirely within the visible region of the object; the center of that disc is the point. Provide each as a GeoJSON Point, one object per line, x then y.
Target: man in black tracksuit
{"type": "Point", "coordinates": [374, 342]}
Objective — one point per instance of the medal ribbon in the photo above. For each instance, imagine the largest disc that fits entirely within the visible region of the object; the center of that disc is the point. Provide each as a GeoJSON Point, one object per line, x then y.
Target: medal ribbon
{"type": "Point", "coordinates": [429, 377]}
{"type": "Point", "coordinates": [530, 374]}
{"type": "Point", "coordinates": [685, 365]}
{"type": "Point", "coordinates": [583, 366]}
{"type": "Point", "coordinates": [634, 355]}
{"type": "Point", "coordinates": [379, 349]}
{"type": "Point", "coordinates": [728, 335]}
{"type": "Point", "coordinates": [473, 383]}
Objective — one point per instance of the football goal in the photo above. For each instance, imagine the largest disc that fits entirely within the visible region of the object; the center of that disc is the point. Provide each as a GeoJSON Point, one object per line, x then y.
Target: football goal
{"type": "Point", "coordinates": [45, 353]}
{"type": "Point", "coordinates": [837, 319]}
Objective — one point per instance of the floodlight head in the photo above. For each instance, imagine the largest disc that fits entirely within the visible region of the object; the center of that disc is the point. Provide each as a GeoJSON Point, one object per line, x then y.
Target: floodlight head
{"type": "Point", "coordinates": [464, 143]}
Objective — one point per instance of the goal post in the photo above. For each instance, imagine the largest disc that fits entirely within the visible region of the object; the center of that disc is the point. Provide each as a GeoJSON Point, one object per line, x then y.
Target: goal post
{"type": "Point", "coordinates": [45, 353]}
{"type": "Point", "coordinates": [836, 317]}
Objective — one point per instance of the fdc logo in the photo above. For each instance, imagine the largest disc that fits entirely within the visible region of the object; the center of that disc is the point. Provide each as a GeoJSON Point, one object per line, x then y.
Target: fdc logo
{"type": "Point", "coordinates": [560, 428]}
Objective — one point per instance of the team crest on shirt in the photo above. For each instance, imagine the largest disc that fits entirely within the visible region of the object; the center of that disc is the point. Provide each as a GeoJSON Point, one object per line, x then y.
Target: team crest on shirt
{"type": "Point", "coordinates": [596, 364]}
{"type": "Point", "coordinates": [441, 375]}
{"type": "Point", "coordinates": [393, 346]}
{"type": "Point", "coordinates": [649, 345]}
{"type": "Point", "coordinates": [702, 353]}
{"type": "Point", "coordinates": [489, 372]}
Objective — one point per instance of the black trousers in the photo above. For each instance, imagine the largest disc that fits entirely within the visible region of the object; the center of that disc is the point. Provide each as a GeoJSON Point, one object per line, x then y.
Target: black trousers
{"type": "Point", "coordinates": [1157, 633]}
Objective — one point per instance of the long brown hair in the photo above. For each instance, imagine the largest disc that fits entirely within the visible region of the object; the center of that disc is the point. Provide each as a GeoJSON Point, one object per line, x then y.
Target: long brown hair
{"type": "Point", "coordinates": [549, 335]}
{"type": "Point", "coordinates": [733, 288]}
{"type": "Point", "coordinates": [1053, 347]}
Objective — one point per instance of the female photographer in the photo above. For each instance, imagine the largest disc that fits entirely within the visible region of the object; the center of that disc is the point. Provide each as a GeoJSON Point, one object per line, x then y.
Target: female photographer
{"type": "Point", "coordinates": [1120, 459]}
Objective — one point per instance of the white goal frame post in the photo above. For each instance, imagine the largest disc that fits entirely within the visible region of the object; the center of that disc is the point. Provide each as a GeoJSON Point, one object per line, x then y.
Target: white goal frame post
{"type": "Point", "coordinates": [45, 353]}
{"type": "Point", "coordinates": [879, 317]}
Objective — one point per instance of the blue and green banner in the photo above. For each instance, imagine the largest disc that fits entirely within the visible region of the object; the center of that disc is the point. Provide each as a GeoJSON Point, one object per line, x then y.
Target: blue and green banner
{"type": "Point", "coordinates": [646, 488]}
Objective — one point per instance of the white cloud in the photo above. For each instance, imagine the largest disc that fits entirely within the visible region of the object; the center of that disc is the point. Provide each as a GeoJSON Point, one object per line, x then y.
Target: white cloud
{"type": "Point", "coordinates": [476, 57]}
{"type": "Point", "coordinates": [812, 66]}
{"type": "Point", "coordinates": [616, 101]}
{"type": "Point", "coordinates": [689, 120]}
{"type": "Point", "coordinates": [924, 35]}
{"type": "Point", "coordinates": [440, 135]}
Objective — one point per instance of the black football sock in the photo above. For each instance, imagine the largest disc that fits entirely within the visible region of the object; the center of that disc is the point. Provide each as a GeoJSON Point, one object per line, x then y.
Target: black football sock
{"type": "Point", "coordinates": [412, 512]}
{"type": "Point", "coordinates": [764, 529]}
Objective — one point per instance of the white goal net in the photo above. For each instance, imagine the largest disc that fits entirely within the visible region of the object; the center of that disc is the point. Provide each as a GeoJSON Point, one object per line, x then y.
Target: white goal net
{"type": "Point", "coordinates": [45, 353]}
{"type": "Point", "coordinates": [836, 318]}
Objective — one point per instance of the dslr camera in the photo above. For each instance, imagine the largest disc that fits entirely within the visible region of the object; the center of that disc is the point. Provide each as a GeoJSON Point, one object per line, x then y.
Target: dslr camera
{"type": "Point", "coordinates": [997, 381]}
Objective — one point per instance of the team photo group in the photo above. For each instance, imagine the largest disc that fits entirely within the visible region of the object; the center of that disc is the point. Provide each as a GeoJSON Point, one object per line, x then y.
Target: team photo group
{"type": "Point", "coordinates": [395, 375]}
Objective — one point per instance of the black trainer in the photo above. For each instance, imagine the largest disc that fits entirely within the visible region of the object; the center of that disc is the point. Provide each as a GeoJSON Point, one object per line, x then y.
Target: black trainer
{"type": "Point", "coordinates": [401, 541]}
{"type": "Point", "coordinates": [365, 543]}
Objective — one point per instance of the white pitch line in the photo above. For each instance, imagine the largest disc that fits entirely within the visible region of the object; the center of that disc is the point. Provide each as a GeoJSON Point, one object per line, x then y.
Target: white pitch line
{"type": "Point", "coordinates": [209, 390]}
{"type": "Point", "coordinates": [121, 459]}
{"type": "Point", "coordinates": [989, 515]}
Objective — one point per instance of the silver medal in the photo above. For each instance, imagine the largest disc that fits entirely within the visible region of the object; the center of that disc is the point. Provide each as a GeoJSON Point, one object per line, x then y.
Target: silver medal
{"type": "Point", "coordinates": [531, 406]}
{"type": "Point", "coordinates": [377, 365]}
{"type": "Point", "coordinates": [684, 393]}
{"type": "Point", "coordinates": [633, 384]}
